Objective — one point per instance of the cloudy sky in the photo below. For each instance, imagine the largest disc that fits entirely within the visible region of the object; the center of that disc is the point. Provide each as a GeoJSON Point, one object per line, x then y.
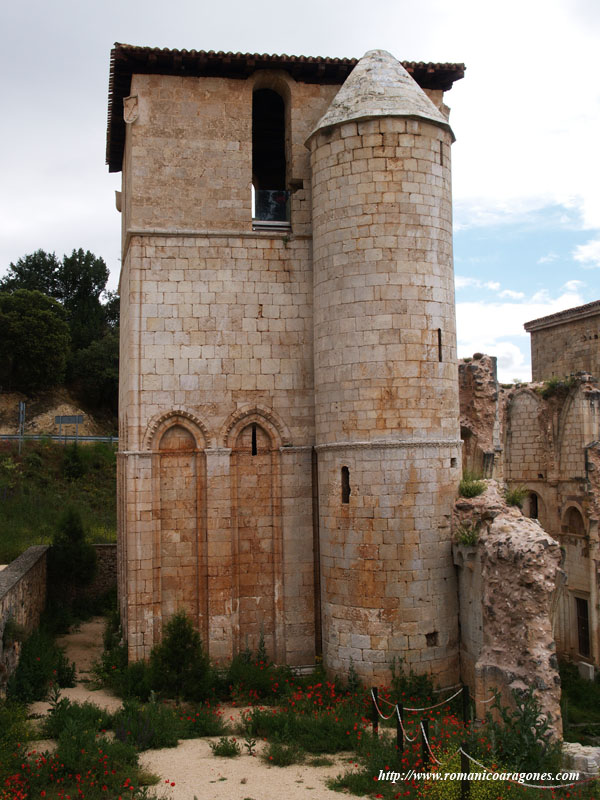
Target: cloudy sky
{"type": "Point", "coordinates": [526, 164]}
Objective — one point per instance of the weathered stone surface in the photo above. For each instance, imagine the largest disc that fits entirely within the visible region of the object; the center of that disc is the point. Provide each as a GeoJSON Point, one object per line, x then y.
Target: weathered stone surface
{"type": "Point", "coordinates": [479, 415]}
{"type": "Point", "coordinates": [258, 365]}
{"type": "Point", "coordinates": [566, 342]}
{"type": "Point", "coordinates": [549, 443]}
{"type": "Point", "coordinates": [519, 566]}
{"type": "Point", "coordinates": [379, 86]}
{"type": "Point", "coordinates": [22, 600]}
{"type": "Point", "coordinates": [580, 758]}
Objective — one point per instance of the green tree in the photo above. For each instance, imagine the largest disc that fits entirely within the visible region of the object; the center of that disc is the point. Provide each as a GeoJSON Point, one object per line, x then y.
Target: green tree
{"type": "Point", "coordinates": [95, 371]}
{"type": "Point", "coordinates": [34, 341]}
{"type": "Point", "coordinates": [35, 272]}
{"type": "Point", "coordinates": [78, 282]}
{"type": "Point", "coordinates": [82, 277]}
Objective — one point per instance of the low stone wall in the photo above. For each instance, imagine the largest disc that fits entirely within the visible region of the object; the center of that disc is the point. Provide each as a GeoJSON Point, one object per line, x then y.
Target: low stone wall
{"type": "Point", "coordinates": [22, 600]}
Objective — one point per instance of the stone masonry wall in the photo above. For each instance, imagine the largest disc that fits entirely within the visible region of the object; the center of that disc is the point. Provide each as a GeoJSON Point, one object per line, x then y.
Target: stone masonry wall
{"type": "Point", "coordinates": [560, 350]}
{"type": "Point", "coordinates": [386, 405]}
{"type": "Point", "coordinates": [22, 600]}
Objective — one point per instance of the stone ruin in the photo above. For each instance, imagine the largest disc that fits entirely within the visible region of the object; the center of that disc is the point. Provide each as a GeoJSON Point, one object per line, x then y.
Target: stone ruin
{"type": "Point", "coordinates": [289, 396]}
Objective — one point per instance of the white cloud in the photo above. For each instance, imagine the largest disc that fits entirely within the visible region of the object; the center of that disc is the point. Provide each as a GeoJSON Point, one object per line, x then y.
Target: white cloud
{"type": "Point", "coordinates": [488, 327]}
{"type": "Point", "coordinates": [573, 286]}
{"type": "Point", "coordinates": [548, 258]}
{"type": "Point", "coordinates": [588, 254]}
{"type": "Point", "coordinates": [466, 282]}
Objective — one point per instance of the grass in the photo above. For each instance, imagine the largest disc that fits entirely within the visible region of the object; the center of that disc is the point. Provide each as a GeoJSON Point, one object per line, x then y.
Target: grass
{"type": "Point", "coordinates": [226, 747]}
{"type": "Point", "coordinates": [471, 485]}
{"type": "Point", "coordinates": [516, 496]}
{"type": "Point", "coordinates": [37, 485]}
{"type": "Point", "coordinates": [467, 534]}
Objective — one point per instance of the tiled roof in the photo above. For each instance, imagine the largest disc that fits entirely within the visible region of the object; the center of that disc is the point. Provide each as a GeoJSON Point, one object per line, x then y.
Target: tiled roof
{"type": "Point", "coordinates": [588, 310]}
{"type": "Point", "coordinates": [126, 60]}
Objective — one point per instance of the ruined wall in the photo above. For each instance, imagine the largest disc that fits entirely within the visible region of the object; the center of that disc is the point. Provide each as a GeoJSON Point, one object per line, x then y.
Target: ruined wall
{"type": "Point", "coordinates": [550, 436]}
{"type": "Point", "coordinates": [506, 588]}
{"type": "Point", "coordinates": [479, 416]}
{"type": "Point", "coordinates": [566, 342]}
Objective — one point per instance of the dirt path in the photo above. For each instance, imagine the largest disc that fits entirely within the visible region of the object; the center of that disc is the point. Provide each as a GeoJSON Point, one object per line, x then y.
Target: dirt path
{"type": "Point", "coordinates": [191, 766]}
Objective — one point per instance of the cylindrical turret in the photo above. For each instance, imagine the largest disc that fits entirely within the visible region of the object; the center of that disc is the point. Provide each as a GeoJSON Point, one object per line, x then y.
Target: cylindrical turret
{"type": "Point", "coordinates": [386, 388]}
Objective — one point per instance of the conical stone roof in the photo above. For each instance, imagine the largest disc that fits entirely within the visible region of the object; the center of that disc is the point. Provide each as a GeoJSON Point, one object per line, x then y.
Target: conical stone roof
{"type": "Point", "coordinates": [379, 86]}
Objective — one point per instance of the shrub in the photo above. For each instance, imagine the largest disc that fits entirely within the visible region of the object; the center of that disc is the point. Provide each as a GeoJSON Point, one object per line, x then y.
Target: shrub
{"type": "Point", "coordinates": [467, 534]}
{"type": "Point", "coordinates": [147, 726]}
{"type": "Point", "coordinates": [451, 789]}
{"type": "Point", "coordinates": [516, 495]}
{"type": "Point", "coordinates": [556, 387]}
{"type": "Point", "coordinates": [41, 663]}
{"type": "Point", "coordinates": [282, 755]}
{"type": "Point", "coordinates": [71, 558]}
{"type": "Point", "coordinates": [409, 686]}
{"type": "Point", "coordinates": [471, 485]}
{"type": "Point", "coordinates": [86, 716]}
{"type": "Point", "coordinates": [226, 748]}
{"type": "Point", "coordinates": [203, 721]}
{"type": "Point", "coordinates": [14, 731]}
{"type": "Point", "coordinates": [521, 738]}
{"type": "Point", "coordinates": [179, 666]}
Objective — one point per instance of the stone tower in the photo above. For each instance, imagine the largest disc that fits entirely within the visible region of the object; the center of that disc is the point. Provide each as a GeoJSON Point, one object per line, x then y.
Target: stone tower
{"type": "Point", "coordinates": [288, 419]}
{"type": "Point", "coordinates": [386, 391]}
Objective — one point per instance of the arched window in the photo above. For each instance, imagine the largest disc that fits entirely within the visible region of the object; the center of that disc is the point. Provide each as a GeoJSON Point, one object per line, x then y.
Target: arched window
{"type": "Point", "coordinates": [269, 178]}
{"type": "Point", "coordinates": [573, 522]}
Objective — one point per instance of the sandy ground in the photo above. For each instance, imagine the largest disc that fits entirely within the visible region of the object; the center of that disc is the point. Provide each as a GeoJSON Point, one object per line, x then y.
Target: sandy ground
{"type": "Point", "coordinates": [190, 770]}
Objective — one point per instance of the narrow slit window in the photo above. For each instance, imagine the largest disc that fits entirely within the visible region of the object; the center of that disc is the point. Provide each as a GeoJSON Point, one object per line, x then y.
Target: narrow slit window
{"type": "Point", "coordinates": [583, 627]}
{"type": "Point", "coordinates": [254, 449]}
{"type": "Point", "coordinates": [346, 485]}
{"type": "Point", "coordinates": [439, 338]}
{"type": "Point", "coordinates": [441, 153]}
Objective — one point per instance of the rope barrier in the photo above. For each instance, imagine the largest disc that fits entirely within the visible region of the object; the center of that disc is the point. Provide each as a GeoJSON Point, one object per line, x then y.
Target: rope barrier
{"type": "Point", "coordinates": [388, 702]}
{"type": "Point", "coordinates": [489, 700]}
{"type": "Point", "coordinates": [447, 688]}
{"type": "Point", "coordinates": [378, 709]}
{"type": "Point", "coordinates": [428, 745]}
{"type": "Point", "coordinates": [404, 733]}
{"type": "Point", "coordinates": [437, 705]}
{"type": "Point", "coordinates": [528, 785]}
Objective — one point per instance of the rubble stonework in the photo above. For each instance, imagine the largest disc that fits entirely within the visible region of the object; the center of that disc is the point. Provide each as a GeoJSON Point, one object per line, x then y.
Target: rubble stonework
{"type": "Point", "coordinates": [550, 444]}
{"type": "Point", "coordinates": [479, 419]}
{"type": "Point", "coordinates": [514, 572]}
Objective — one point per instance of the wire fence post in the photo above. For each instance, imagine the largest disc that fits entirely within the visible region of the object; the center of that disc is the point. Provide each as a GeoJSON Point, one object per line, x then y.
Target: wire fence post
{"type": "Point", "coordinates": [465, 785]}
{"type": "Point", "coordinates": [400, 729]}
{"type": "Point", "coordinates": [374, 711]}
{"type": "Point", "coordinates": [466, 698]}
{"type": "Point", "coordinates": [424, 749]}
